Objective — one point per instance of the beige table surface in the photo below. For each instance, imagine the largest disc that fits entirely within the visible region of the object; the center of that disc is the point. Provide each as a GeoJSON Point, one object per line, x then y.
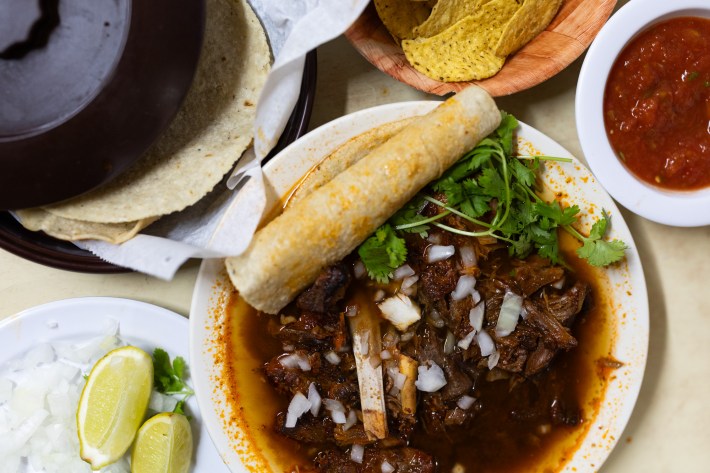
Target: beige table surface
{"type": "Point", "coordinates": [669, 430]}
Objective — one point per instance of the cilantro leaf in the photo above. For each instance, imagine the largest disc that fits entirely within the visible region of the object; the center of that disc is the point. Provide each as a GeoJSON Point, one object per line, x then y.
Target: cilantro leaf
{"type": "Point", "coordinates": [596, 250]}
{"type": "Point", "coordinates": [554, 212]}
{"type": "Point", "coordinates": [382, 253]}
{"type": "Point", "coordinates": [169, 377]}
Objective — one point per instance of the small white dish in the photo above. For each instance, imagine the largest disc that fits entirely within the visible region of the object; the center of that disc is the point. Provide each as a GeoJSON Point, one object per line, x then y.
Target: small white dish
{"type": "Point", "coordinates": [677, 208]}
{"type": "Point", "coordinates": [626, 287]}
{"type": "Point", "coordinates": [140, 324]}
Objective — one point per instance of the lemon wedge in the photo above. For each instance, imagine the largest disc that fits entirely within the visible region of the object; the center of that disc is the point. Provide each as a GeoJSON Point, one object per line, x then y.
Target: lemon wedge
{"type": "Point", "coordinates": [163, 445]}
{"type": "Point", "coordinates": [113, 404]}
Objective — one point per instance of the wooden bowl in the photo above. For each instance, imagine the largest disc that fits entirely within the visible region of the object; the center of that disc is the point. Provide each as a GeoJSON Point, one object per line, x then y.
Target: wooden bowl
{"type": "Point", "coordinates": [564, 40]}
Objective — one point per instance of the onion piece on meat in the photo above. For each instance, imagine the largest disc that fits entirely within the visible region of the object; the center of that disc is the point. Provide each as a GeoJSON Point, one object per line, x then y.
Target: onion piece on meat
{"type": "Point", "coordinates": [332, 358]}
{"type": "Point", "coordinates": [439, 253]}
{"type": "Point", "coordinates": [465, 342]}
{"type": "Point", "coordinates": [464, 287]}
{"type": "Point", "coordinates": [485, 343]}
{"type": "Point", "coordinates": [465, 402]}
{"type": "Point", "coordinates": [431, 378]}
{"type": "Point", "coordinates": [351, 420]}
{"type": "Point", "coordinates": [314, 398]}
{"type": "Point", "coordinates": [295, 360]}
{"type": "Point", "coordinates": [475, 316]}
{"type": "Point", "coordinates": [401, 311]}
{"type": "Point", "coordinates": [386, 467]}
{"type": "Point", "coordinates": [468, 257]}
{"type": "Point", "coordinates": [296, 408]}
{"type": "Point", "coordinates": [357, 452]}
{"type": "Point", "coordinates": [493, 360]}
{"type": "Point", "coordinates": [449, 343]}
{"type": "Point", "coordinates": [509, 314]}
{"type": "Point", "coordinates": [402, 272]}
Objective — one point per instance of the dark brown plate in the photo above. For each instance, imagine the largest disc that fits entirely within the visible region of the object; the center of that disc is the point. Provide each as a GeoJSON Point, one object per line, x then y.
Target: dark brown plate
{"type": "Point", "coordinates": [88, 75]}
{"type": "Point", "coordinates": [42, 249]}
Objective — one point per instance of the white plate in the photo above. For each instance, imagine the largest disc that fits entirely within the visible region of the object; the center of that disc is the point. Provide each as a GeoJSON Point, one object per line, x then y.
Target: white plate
{"type": "Point", "coordinates": [143, 325]}
{"type": "Point", "coordinates": [626, 286]}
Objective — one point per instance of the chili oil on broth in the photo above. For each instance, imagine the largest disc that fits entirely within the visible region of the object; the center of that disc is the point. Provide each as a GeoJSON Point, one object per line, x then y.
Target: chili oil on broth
{"type": "Point", "coordinates": [586, 371]}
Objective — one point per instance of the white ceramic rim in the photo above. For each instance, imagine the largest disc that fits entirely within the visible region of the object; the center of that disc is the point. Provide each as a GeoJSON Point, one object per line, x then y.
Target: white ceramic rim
{"type": "Point", "coordinates": [627, 282]}
{"type": "Point", "coordinates": [144, 325]}
{"type": "Point", "coordinates": [682, 209]}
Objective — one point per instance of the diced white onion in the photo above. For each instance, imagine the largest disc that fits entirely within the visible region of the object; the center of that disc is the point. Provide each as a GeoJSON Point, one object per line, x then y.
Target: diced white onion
{"type": "Point", "coordinates": [400, 310]}
{"type": "Point", "coordinates": [295, 360]}
{"type": "Point", "coordinates": [509, 314]}
{"type": "Point", "coordinates": [485, 343]}
{"type": "Point", "coordinates": [476, 296]}
{"type": "Point", "coordinates": [359, 269]}
{"type": "Point", "coordinates": [439, 253]}
{"type": "Point", "coordinates": [402, 272]}
{"type": "Point", "coordinates": [559, 284]}
{"type": "Point", "coordinates": [314, 398]}
{"type": "Point", "coordinates": [365, 342]}
{"type": "Point", "coordinates": [493, 360]}
{"type": "Point", "coordinates": [351, 420]}
{"type": "Point", "coordinates": [357, 452]}
{"type": "Point", "coordinates": [338, 417]}
{"type": "Point", "coordinates": [332, 358]}
{"type": "Point", "coordinates": [289, 347]}
{"type": "Point", "coordinates": [385, 355]}
{"type": "Point", "coordinates": [465, 342]}
{"type": "Point", "coordinates": [524, 313]}
{"type": "Point", "coordinates": [449, 343]}
{"type": "Point", "coordinates": [333, 405]}
{"type": "Point", "coordinates": [465, 402]}
{"type": "Point", "coordinates": [475, 316]}
{"type": "Point", "coordinates": [379, 295]}
{"type": "Point", "coordinates": [468, 257]}
{"type": "Point", "coordinates": [386, 467]}
{"type": "Point", "coordinates": [399, 380]}
{"type": "Point", "coordinates": [430, 378]}
{"type": "Point", "coordinates": [409, 282]}
{"type": "Point", "coordinates": [296, 408]}
{"type": "Point", "coordinates": [407, 336]}
{"type": "Point", "coordinates": [464, 287]}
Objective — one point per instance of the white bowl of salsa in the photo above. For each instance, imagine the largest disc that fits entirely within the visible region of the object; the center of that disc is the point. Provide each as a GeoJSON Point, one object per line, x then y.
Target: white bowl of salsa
{"type": "Point", "coordinates": [643, 110]}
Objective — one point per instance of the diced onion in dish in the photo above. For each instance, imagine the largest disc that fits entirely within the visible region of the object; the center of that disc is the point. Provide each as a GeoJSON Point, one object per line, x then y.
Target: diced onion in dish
{"type": "Point", "coordinates": [386, 467]}
{"type": "Point", "coordinates": [465, 287]}
{"type": "Point", "coordinates": [468, 257]}
{"type": "Point", "coordinates": [351, 420]}
{"type": "Point", "coordinates": [449, 343]}
{"type": "Point", "coordinates": [408, 285]}
{"type": "Point", "coordinates": [385, 355]}
{"type": "Point", "coordinates": [295, 360]}
{"type": "Point", "coordinates": [336, 409]}
{"type": "Point", "coordinates": [434, 238]}
{"type": "Point", "coordinates": [475, 316]}
{"type": "Point", "coordinates": [357, 452]}
{"type": "Point", "coordinates": [430, 378]}
{"type": "Point", "coordinates": [359, 269]}
{"type": "Point", "coordinates": [314, 398]}
{"type": "Point", "coordinates": [465, 402]}
{"type": "Point", "coordinates": [493, 360]}
{"type": "Point", "coordinates": [509, 314]}
{"type": "Point", "coordinates": [298, 406]}
{"type": "Point", "coordinates": [559, 284]}
{"type": "Point", "coordinates": [332, 358]}
{"type": "Point", "coordinates": [485, 343]}
{"type": "Point", "coordinates": [39, 394]}
{"type": "Point", "coordinates": [465, 342]}
{"type": "Point", "coordinates": [400, 310]}
{"type": "Point", "coordinates": [439, 253]}
{"type": "Point", "coordinates": [402, 272]}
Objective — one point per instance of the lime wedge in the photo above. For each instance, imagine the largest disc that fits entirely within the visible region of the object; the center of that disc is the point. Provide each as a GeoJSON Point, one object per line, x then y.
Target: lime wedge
{"type": "Point", "coordinates": [163, 445]}
{"type": "Point", "coordinates": [113, 404]}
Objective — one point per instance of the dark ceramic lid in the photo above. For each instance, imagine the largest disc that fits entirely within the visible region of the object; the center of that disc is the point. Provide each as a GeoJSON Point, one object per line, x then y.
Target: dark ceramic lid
{"type": "Point", "coordinates": [85, 87]}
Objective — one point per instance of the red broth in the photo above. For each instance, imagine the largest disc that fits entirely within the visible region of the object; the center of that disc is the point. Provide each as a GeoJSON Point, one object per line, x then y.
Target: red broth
{"type": "Point", "coordinates": [657, 104]}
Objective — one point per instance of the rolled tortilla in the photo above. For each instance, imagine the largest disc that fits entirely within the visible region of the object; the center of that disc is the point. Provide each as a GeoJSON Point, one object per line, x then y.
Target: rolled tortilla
{"type": "Point", "coordinates": [288, 254]}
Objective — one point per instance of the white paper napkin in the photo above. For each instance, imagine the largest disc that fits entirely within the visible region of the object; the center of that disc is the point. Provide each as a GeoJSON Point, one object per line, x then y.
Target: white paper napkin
{"type": "Point", "coordinates": [223, 223]}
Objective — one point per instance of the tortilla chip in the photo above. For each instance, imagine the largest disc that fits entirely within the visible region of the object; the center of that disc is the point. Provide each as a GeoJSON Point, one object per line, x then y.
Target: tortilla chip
{"type": "Point", "coordinates": [528, 22]}
{"type": "Point", "coordinates": [209, 133]}
{"type": "Point", "coordinates": [400, 17]}
{"type": "Point", "coordinates": [445, 14]}
{"type": "Point", "coordinates": [342, 158]}
{"type": "Point", "coordinates": [466, 50]}
{"type": "Point", "coordinates": [69, 229]}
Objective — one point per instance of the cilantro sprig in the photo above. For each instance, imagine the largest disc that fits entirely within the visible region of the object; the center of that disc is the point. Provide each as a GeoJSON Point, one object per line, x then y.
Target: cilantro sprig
{"type": "Point", "coordinates": [169, 378]}
{"type": "Point", "coordinates": [495, 191]}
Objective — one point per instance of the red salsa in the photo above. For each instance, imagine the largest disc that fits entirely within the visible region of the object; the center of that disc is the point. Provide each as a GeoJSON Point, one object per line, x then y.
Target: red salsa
{"type": "Point", "coordinates": [657, 104]}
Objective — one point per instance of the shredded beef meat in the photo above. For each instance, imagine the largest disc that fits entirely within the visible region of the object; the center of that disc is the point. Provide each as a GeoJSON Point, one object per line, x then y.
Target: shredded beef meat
{"type": "Point", "coordinates": [328, 289]}
{"type": "Point", "coordinates": [404, 460]}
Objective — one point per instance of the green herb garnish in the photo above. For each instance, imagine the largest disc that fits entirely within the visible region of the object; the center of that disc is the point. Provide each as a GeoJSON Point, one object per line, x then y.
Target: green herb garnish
{"type": "Point", "coordinates": [495, 191]}
{"type": "Point", "coordinates": [169, 378]}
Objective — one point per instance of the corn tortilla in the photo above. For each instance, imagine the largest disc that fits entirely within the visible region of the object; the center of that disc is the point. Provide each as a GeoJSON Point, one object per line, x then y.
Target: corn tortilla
{"type": "Point", "coordinates": [68, 229]}
{"type": "Point", "coordinates": [444, 14]}
{"type": "Point", "coordinates": [208, 135]}
{"type": "Point", "coordinates": [400, 17]}
{"type": "Point", "coordinates": [287, 255]}
{"type": "Point", "coordinates": [529, 21]}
